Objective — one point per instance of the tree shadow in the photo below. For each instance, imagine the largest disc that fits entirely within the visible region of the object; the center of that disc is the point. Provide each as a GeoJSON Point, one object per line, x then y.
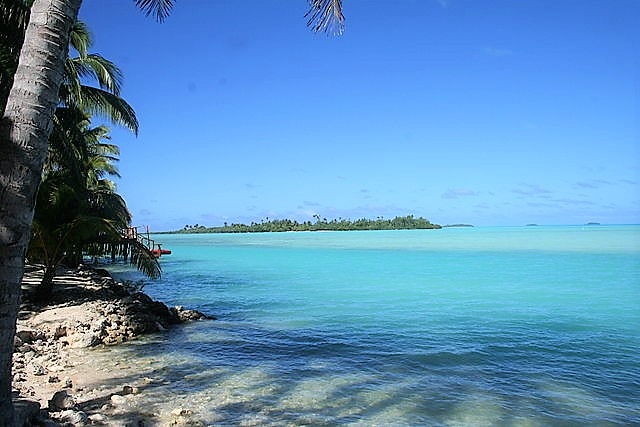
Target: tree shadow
{"type": "Point", "coordinates": [239, 378]}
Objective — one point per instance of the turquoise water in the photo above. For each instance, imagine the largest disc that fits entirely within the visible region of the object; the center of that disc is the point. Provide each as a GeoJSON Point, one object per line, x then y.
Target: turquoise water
{"type": "Point", "coordinates": [524, 326]}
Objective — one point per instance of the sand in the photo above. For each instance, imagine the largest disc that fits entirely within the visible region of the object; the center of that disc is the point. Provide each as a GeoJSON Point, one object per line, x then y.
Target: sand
{"type": "Point", "coordinates": [60, 360]}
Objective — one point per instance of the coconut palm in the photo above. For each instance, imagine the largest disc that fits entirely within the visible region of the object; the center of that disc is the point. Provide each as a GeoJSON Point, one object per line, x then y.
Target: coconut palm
{"type": "Point", "coordinates": [104, 100]}
{"type": "Point", "coordinates": [78, 210]}
{"type": "Point", "coordinates": [24, 133]}
{"type": "Point", "coordinates": [76, 166]}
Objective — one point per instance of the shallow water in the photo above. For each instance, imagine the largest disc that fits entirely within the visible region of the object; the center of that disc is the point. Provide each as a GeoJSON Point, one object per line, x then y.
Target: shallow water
{"type": "Point", "coordinates": [487, 326]}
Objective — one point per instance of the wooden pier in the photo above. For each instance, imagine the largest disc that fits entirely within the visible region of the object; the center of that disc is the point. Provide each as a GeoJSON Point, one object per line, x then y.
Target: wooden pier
{"type": "Point", "coordinates": [131, 234]}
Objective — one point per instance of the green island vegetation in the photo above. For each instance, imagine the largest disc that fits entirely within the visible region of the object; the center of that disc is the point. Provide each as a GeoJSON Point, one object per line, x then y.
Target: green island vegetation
{"type": "Point", "coordinates": [408, 222]}
{"type": "Point", "coordinates": [456, 225]}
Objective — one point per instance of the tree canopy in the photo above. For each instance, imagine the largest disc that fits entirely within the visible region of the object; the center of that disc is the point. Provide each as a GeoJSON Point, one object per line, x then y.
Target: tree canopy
{"type": "Point", "coordinates": [408, 222]}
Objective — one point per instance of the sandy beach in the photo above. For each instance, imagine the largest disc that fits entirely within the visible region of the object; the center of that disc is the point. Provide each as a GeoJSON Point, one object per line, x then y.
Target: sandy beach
{"type": "Point", "coordinates": [61, 373]}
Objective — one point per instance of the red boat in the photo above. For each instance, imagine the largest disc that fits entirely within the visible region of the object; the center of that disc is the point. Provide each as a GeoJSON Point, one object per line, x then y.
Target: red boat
{"type": "Point", "coordinates": [159, 252]}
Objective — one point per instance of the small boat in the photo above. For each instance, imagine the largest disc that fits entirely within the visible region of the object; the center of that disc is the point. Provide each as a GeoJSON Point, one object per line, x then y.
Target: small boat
{"type": "Point", "coordinates": [158, 252]}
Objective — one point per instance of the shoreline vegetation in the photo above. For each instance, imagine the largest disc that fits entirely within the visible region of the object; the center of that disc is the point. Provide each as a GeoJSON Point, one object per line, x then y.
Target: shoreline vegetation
{"type": "Point", "coordinates": [267, 225]}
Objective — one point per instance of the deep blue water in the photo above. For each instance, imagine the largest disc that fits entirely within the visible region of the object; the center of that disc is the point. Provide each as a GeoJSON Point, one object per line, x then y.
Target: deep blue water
{"type": "Point", "coordinates": [478, 326]}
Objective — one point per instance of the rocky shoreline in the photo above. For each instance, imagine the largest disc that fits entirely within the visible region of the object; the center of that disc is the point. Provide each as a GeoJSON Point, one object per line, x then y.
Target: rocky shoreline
{"type": "Point", "coordinates": [88, 309]}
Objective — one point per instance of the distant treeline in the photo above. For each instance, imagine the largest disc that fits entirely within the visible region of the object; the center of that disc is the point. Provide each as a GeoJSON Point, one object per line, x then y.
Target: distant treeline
{"type": "Point", "coordinates": [278, 225]}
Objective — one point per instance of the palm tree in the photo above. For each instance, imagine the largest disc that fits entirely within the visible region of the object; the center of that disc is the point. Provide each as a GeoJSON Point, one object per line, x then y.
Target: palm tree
{"type": "Point", "coordinates": [73, 222]}
{"type": "Point", "coordinates": [24, 133]}
{"type": "Point", "coordinates": [76, 166]}
{"type": "Point", "coordinates": [78, 210]}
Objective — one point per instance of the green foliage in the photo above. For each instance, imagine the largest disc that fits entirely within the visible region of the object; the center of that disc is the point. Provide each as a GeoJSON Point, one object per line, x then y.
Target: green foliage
{"type": "Point", "coordinates": [104, 100]}
{"type": "Point", "coordinates": [78, 211]}
{"type": "Point", "coordinates": [408, 222]}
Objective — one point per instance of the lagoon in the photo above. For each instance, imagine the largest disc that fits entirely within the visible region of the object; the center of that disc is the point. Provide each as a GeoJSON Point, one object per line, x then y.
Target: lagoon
{"type": "Point", "coordinates": [459, 326]}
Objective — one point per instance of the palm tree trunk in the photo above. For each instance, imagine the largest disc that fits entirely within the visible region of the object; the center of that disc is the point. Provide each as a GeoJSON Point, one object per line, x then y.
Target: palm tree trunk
{"type": "Point", "coordinates": [45, 287]}
{"type": "Point", "coordinates": [24, 134]}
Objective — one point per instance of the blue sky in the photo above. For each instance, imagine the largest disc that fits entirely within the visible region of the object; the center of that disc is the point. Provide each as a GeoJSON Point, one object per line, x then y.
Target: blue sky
{"type": "Point", "coordinates": [483, 112]}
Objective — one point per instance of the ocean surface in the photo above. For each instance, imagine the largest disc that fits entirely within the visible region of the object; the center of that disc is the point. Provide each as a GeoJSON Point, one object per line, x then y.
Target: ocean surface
{"type": "Point", "coordinates": [485, 326]}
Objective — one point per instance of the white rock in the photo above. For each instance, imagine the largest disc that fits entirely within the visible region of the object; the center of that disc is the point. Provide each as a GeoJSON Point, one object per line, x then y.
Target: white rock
{"type": "Point", "coordinates": [118, 400]}
{"type": "Point", "coordinates": [97, 418]}
{"type": "Point", "coordinates": [83, 340]}
{"type": "Point", "coordinates": [178, 412]}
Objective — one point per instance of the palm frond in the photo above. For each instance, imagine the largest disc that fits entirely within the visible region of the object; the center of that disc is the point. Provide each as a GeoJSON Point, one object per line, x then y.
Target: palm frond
{"type": "Point", "coordinates": [80, 38]}
{"type": "Point", "coordinates": [326, 16]}
{"type": "Point", "coordinates": [111, 151]}
{"type": "Point", "coordinates": [144, 260]}
{"type": "Point", "coordinates": [105, 72]}
{"type": "Point", "coordinates": [87, 228]}
{"type": "Point", "coordinates": [107, 204]}
{"type": "Point", "coordinates": [107, 185]}
{"type": "Point", "coordinates": [158, 8]}
{"type": "Point", "coordinates": [100, 102]}
{"type": "Point", "coordinates": [70, 88]}
{"type": "Point", "coordinates": [65, 149]}
{"type": "Point", "coordinates": [102, 167]}
{"type": "Point", "coordinates": [95, 135]}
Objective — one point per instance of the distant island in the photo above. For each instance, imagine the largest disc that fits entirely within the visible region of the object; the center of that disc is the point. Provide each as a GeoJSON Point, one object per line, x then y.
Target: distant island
{"type": "Point", "coordinates": [457, 225]}
{"type": "Point", "coordinates": [408, 222]}
{"type": "Point", "coordinates": [593, 223]}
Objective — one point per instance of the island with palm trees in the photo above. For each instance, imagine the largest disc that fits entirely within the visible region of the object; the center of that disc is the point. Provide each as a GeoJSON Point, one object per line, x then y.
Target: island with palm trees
{"type": "Point", "coordinates": [267, 225]}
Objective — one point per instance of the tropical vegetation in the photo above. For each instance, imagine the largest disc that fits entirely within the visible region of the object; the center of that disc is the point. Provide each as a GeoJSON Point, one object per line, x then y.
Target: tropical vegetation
{"type": "Point", "coordinates": [30, 92]}
{"type": "Point", "coordinates": [78, 211]}
{"type": "Point", "coordinates": [408, 222]}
